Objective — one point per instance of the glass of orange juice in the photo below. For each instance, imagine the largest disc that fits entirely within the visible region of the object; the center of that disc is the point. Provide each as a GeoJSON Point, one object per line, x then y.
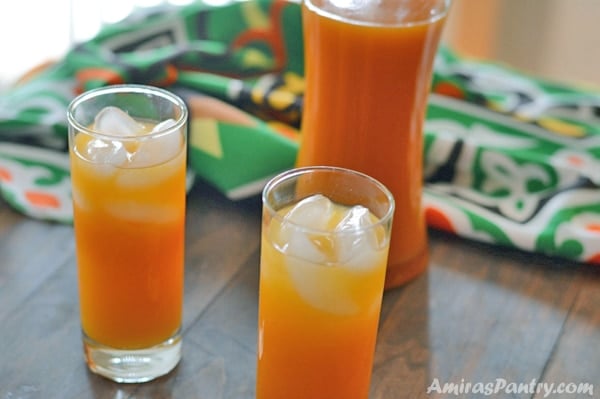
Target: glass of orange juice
{"type": "Point", "coordinates": [128, 171]}
{"type": "Point", "coordinates": [324, 248]}
{"type": "Point", "coordinates": [368, 68]}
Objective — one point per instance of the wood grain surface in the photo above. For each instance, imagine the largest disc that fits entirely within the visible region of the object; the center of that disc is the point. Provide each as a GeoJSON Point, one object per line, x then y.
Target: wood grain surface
{"type": "Point", "coordinates": [480, 314]}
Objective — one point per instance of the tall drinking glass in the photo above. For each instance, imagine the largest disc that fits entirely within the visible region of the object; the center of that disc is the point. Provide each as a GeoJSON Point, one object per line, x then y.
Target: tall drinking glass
{"type": "Point", "coordinates": [324, 247]}
{"type": "Point", "coordinates": [128, 170]}
{"type": "Point", "coordinates": [368, 67]}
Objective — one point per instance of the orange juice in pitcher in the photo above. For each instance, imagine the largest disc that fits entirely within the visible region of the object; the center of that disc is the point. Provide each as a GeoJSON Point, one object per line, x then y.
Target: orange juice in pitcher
{"type": "Point", "coordinates": [368, 69]}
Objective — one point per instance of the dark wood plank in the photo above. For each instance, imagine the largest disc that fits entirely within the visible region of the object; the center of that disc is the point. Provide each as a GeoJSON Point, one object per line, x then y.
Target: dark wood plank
{"type": "Point", "coordinates": [39, 339]}
{"type": "Point", "coordinates": [40, 336]}
{"type": "Point", "coordinates": [479, 314]}
{"type": "Point", "coordinates": [30, 252]}
{"type": "Point", "coordinates": [8, 217]}
{"type": "Point", "coordinates": [576, 358]}
{"type": "Point", "coordinates": [220, 236]}
{"type": "Point", "coordinates": [220, 347]}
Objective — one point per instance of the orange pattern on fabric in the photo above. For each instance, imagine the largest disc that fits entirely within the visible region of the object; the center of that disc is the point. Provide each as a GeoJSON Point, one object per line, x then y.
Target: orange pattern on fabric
{"type": "Point", "coordinates": [106, 75]}
{"type": "Point", "coordinates": [450, 90]}
{"type": "Point", "coordinates": [273, 35]}
{"type": "Point", "coordinates": [285, 130]}
{"type": "Point", "coordinates": [575, 160]}
{"type": "Point", "coordinates": [42, 200]}
{"type": "Point", "coordinates": [437, 218]}
{"type": "Point", "coordinates": [5, 175]}
{"type": "Point", "coordinates": [171, 74]}
{"type": "Point", "coordinates": [595, 259]}
{"type": "Point", "coordinates": [593, 227]}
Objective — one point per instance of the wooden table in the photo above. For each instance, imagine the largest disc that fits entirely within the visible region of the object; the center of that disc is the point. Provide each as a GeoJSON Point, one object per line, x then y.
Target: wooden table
{"type": "Point", "coordinates": [480, 315]}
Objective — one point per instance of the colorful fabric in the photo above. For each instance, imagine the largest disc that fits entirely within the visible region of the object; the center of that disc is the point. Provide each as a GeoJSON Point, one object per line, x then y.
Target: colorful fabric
{"type": "Point", "coordinates": [509, 159]}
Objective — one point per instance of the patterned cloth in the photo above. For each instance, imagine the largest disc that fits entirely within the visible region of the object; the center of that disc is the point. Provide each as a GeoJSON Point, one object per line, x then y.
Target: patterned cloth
{"type": "Point", "coordinates": [509, 159]}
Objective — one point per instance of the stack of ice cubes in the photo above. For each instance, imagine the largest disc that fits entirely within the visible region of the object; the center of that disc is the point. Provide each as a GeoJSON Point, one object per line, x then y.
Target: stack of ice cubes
{"type": "Point", "coordinates": [313, 240]}
{"type": "Point", "coordinates": [124, 142]}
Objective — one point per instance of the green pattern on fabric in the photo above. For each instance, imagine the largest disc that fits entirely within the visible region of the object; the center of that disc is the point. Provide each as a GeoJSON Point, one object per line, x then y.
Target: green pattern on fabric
{"type": "Point", "coordinates": [499, 180]}
{"type": "Point", "coordinates": [510, 159]}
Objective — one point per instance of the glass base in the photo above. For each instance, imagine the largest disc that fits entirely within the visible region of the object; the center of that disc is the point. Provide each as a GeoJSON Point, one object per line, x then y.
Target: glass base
{"type": "Point", "coordinates": [132, 366]}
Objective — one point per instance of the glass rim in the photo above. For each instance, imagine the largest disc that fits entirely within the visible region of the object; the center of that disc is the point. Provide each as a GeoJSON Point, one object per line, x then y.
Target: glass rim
{"type": "Point", "coordinates": [296, 172]}
{"type": "Point", "coordinates": [128, 88]}
{"type": "Point", "coordinates": [433, 18]}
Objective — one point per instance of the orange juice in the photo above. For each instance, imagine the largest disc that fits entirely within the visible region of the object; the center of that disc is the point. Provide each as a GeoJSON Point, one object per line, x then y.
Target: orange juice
{"type": "Point", "coordinates": [318, 320]}
{"type": "Point", "coordinates": [129, 230]}
{"type": "Point", "coordinates": [367, 82]}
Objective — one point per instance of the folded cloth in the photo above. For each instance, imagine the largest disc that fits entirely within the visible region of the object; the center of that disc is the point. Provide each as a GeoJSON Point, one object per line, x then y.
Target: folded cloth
{"type": "Point", "coordinates": [510, 159]}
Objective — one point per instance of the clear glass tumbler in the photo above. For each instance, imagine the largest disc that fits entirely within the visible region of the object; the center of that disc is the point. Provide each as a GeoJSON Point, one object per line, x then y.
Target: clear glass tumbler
{"type": "Point", "coordinates": [324, 247]}
{"type": "Point", "coordinates": [128, 169]}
